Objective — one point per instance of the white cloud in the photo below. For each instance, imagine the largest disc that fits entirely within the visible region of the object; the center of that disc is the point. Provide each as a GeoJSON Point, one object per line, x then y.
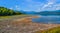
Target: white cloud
{"type": "Point", "coordinates": [17, 7]}
{"type": "Point", "coordinates": [11, 8]}
{"type": "Point", "coordinates": [38, 6]}
{"type": "Point", "coordinates": [57, 6]}
{"type": "Point", "coordinates": [48, 5]}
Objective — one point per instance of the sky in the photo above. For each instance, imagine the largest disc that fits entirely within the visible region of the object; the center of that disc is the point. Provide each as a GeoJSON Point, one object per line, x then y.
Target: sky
{"type": "Point", "coordinates": [31, 5]}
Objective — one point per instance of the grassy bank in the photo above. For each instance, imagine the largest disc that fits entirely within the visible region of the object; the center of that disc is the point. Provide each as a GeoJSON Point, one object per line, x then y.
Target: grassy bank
{"type": "Point", "coordinates": [53, 30]}
{"type": "Point", "coordinates": [10, 16]}
{"type": "Point", "coordinates": [13, 17]}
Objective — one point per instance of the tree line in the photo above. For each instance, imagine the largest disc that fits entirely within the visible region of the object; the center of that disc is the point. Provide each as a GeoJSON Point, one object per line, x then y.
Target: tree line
{"type": "Point", "coordinates": [5, 12]}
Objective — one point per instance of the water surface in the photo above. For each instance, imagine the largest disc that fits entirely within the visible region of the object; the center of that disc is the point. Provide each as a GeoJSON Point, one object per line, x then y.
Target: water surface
{"type": "Point", "coordinates": [47, 19]}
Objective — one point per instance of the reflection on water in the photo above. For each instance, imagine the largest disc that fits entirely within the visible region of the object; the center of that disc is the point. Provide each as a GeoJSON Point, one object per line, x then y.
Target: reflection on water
{"type": "Point", "coordinates": [47, 19]}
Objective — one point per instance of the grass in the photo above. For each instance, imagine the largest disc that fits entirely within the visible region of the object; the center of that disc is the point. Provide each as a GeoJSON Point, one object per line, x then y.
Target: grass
{"type": "Point", "coordinates": [53, 30]}
{"type": "Point", "coordinates": [3, 17]}
{"type": "Point", "coordinates": [13, 16]}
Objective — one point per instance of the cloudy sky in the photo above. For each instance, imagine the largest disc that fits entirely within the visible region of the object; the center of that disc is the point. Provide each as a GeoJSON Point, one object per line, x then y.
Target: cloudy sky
{"type": "Point", "coordinates": [31, 5]}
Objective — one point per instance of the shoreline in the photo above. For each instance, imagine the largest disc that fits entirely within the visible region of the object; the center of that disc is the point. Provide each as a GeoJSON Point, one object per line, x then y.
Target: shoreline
{"type": "Point", "coordinates": [28, 19]}
{"type": "Point", "coordinates": [25, 24]}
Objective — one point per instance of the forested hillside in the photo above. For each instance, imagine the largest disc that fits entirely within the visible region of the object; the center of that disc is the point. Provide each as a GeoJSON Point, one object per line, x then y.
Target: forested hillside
{"type": "Point", "coordinates": [57, 12]}
{"type": "Point", "coordinates": [5, 12]}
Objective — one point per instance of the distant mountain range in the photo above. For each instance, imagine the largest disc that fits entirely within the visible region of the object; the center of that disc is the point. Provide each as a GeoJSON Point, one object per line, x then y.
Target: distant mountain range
{"type": "Point", "coordinates": [28, 12]}
{"type": "Point", "coordinates": [57, 12]}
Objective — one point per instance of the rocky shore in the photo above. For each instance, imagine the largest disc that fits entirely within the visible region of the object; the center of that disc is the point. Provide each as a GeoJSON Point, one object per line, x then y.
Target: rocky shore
{"type": "Point", "coordinates": [24, 25]}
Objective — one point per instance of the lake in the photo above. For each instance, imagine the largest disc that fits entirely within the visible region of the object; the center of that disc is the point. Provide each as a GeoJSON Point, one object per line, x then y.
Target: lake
{"type": "Point", "coordinates": [47, 19]}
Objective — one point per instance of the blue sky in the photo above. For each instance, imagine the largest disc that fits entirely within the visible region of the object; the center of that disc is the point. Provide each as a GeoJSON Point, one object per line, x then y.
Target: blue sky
{"type": "Point", "coordinates": [31, 5]}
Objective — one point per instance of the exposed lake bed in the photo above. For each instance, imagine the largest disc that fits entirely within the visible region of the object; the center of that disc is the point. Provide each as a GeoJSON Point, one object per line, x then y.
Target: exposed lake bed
{"type": "Point", "coordinates": [23, 24]}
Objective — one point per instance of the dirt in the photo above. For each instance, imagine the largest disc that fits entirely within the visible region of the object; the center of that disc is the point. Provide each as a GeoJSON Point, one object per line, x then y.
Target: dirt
{"type": "Point", "coordinates": [23, 25]}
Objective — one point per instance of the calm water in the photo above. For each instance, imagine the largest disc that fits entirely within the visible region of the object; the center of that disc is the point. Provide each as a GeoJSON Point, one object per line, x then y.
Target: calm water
{"type": "Point", "coordinates": [47, 19]}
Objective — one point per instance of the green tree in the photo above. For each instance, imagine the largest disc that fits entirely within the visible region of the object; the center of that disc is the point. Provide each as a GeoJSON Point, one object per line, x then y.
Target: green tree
{"type": "Point", "coordinates": [5, 11]}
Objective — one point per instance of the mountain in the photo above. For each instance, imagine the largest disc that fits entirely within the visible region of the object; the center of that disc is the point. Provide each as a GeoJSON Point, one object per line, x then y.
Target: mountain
{"type": "Point", "coordinates": [57, 12]}
{"type": "Point", "coordinates": [27, 12]}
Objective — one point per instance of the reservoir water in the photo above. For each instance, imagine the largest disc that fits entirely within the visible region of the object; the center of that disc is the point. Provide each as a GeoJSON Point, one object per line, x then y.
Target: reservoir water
{"type": "Point", "coordinates": [47, 19]}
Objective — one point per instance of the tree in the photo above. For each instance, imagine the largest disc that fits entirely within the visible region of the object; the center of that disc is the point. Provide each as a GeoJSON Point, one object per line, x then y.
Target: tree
{"type": "Point", "coordinates": [5, 11]}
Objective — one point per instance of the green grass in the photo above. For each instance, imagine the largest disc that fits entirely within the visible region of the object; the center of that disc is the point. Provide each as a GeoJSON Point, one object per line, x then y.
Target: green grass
{"type": "Point", "coordinates": [7, 17]}
{"type": "Point", "coordinates": [53, 30]}
{"type": "Point", "coordinates": [4, 16]}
